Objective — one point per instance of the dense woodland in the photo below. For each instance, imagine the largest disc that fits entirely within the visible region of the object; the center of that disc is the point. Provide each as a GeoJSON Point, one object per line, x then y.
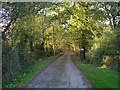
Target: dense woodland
{"type": "Point", "coordinates": [35, 30]}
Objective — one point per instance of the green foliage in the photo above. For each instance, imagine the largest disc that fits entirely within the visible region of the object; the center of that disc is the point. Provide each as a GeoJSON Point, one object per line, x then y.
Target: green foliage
{"type": "Point", "coordinates": [43, 29]}
{"type": "Point", "coordinates": [20, 78]}
{"type": "Point", "coordinates": [98, 77]}
{"type": "Point", "coordinates": [107, 45]}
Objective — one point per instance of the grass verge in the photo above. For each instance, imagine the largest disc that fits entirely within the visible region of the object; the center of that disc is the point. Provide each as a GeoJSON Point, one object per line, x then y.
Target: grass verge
{"type": "Point", "coordinates": [98, 77]}
{"type": "Point", "coordinates": [21, 78]}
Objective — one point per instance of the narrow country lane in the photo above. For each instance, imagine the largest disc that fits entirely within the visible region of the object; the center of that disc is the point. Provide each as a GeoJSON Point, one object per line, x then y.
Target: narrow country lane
{"type": "Point", "coordinates": [62, 73]}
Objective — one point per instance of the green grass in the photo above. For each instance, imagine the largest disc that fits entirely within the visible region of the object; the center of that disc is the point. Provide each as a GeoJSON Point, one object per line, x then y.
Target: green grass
{"type": "Point", "coordinates": [21, 78]}
{"type": "Point", "coordinates": [98, 77]}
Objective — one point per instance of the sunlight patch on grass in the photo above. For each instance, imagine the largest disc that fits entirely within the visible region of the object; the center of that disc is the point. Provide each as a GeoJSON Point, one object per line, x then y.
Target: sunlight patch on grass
{"type": "Point", "coordinates": [103, 66]}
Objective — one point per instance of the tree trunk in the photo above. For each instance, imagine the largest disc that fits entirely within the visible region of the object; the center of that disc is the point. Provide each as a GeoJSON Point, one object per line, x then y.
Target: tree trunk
{"type": "Point", "coordinates": [82, 50]}
{"type": "Point", "coordinates": [82, 54]}
{"type": "Point", "coordinates": [54, 41]}
{"type": "Point", "coordinates": [31, 43]}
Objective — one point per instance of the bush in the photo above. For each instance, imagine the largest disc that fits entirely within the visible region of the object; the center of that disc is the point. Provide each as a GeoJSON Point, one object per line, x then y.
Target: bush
{"type": "Point", "coordinates": [107, 52]}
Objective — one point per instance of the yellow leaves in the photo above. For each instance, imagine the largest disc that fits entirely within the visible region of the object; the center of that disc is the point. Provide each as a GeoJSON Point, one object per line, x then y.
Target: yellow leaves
{"type": "Point", "coordinates": [107, 59]}
{"type": "Point", "coordinates": [62, 9]}
{"type": "Point", "coordinates": [49, 30]}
